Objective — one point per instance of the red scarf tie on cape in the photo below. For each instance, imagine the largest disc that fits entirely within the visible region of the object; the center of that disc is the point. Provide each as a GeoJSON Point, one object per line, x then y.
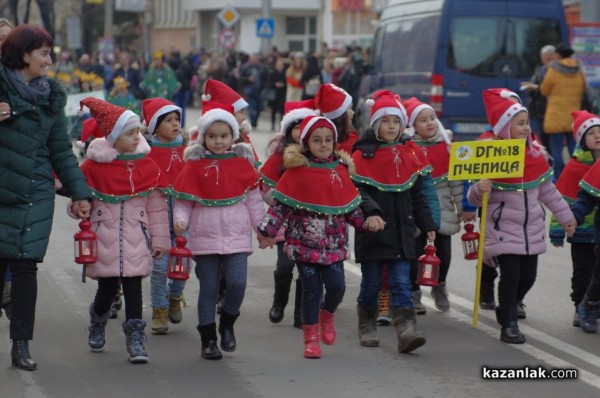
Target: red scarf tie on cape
{"type": "Point", "coordinates": [319, 187]}
{"type": "Point", "coordinates": [169, 158]}
{"type": "Point", "coordinates": [216, 180]}
{"type": "Point", "coordinates": [394, 168]}
{"type": "Point", "coordinates": [123, 178]}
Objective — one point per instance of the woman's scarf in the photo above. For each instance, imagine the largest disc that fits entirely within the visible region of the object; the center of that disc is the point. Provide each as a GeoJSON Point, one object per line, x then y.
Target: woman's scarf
{"type": "Point", "coordinates": [37, 89]}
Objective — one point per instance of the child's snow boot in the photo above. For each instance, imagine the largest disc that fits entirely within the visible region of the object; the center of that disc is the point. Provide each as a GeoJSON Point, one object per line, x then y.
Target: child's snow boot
{"type": "Point", "coordinates": [404, 320]}
{"type": "Point", "coordinates": [175, 312]}
{"type": "Point", "coordinates": [97, 337]}
{"type": "Point", "coordinates": [367, 325]}
{"type": "Point", "coordinates": [208, 336]}
{"type": "Point", "coordinates": [327, 326]}
{"type": "Point", "coordinates": [312, 348]}
{"type": "Point", "coordinates": [160, 323]}
{"type": "Point", "coordinates": [134, 340]}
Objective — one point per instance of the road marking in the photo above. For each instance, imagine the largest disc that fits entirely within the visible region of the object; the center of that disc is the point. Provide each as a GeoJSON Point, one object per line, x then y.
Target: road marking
{"type": "Point", "coordinates": [562, 346]}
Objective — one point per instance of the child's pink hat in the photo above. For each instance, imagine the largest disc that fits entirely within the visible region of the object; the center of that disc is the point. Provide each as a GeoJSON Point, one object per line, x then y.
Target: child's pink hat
{"type": "Point", "coordinates": [217, 91]}
{"type": "Point", "coordinates": [153, 108]}
{"type": "Point", "coordinates": [296, 111]}
{"type": "Point", "coordinates": [332, 101]}
{"type": "Point", "coordinates": [499, 109]}
{"type": "Point", "coordinates": [310, 123]}
{"type": "Point", "coordinates": [216, 112]}
{"type": "Point", "coordinates": [112, 120]}
{"type": "Point", "coordinates": [582, 122]}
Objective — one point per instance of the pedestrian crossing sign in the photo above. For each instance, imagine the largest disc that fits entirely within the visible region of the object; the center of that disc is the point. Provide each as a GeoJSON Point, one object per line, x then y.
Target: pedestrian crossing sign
{"type": "Point", "coordinates": [265, 27]}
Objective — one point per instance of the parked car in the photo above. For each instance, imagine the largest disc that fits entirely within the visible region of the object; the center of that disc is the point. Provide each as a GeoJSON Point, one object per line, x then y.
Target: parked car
{"type": "Point", "coordinates": [446, 52]}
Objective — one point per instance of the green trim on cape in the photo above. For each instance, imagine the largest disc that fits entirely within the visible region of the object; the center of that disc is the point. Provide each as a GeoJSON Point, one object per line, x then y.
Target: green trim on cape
{"type": "Point", "coordinates": [386, 187]}
{"type": "Point", "coordinates": [210, 203]}
{"type": "Point", "coordinates": [102, 197]}
{"type": "Point", "coordinates": [524, 186]}
{"type": "Point", "coordinates": [317, 208]}
{"type": "Point", "coordinates": [595, 192]}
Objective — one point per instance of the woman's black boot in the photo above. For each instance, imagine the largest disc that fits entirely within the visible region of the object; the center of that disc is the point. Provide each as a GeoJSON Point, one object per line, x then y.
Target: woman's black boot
{"type": "Point", "coordinates": [20, 355]}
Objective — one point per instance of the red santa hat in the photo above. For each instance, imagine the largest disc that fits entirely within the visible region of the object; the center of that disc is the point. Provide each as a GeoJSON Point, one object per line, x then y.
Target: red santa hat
{"type": "Point", "coordinates": [506, 93]}
{"type": "Point", "coordinates": [332, 101]}
{"type": "Point", "coordinates": [221, 93]}
{"type": "Point", "coordinates": [112, 119]}
{"type": "Point", "coordinates": [89, 128]}
{"type": "Point", "coordinates": [414, 107]}
{"type": "Point", "coordinates": [582, 122]}
{"type": "Point", "coordinates": [499, 108]}
{"type": "Point", "coordinates": [154, 108]}
{"type": "Point", "coordinates": [309, 124]}
{"type": "Point", "coordinates": [215, 112]}
{"type": "Point", "coordinates": [296, 111]}
{"type": "Point", "coordinates": [384, 102]}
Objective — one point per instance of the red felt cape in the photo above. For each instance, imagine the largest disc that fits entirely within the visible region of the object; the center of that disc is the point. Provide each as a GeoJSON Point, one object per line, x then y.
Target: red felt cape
{"type": "Point", "coordinates": [591, 180]}
{"type": "Point", "coordinates": [439, 157]}
{"type": "Point", "coordinates": [272, 169]}
{"type": "Point", "coordinates": [568, 182]}
{"type": "Point", "coordinates": [320, 187]}
{"type": "Point", "coordinates": [347, 145]}
{"type": "Point", "coordinates": [537, 170]}
{"type": "Point", "coordinates": [394, 167]}
{"type": "Point", "coordinates": [216, 180]}
{"type": "Point", "coordinates": [169, 158]}
{"type": "Point", "coordinates": [125, 177]}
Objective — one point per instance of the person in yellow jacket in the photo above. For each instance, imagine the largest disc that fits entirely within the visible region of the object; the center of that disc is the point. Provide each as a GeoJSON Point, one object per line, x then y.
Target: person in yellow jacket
{"type": "Point", "coordinates": [564, 85]}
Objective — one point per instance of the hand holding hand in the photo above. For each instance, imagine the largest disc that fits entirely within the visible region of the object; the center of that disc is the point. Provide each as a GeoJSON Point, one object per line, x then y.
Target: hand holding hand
{"type": "Point", "coordinates": [179, 227]}
{"type": "Point", "coordinates": [570, 227]}
{"type": "Point", "coordinates": [264, 241]}
{"type": "Point", "coordinates": [374, 224]}
{"type": "Point", "coordinates": [158, 253]}
{"type": "Point", "coordinates": [81, 208]}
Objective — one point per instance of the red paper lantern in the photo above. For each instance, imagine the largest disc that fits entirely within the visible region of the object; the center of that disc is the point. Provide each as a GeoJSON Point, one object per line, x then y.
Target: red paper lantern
{"type": "Point", "coordinates": [86, 244]}
{"type": "Point", "coordinates": [470, 242]}
{"type": "Point", "coordinates": [179, 260]}
{"type": "Point", "coordinates": [429, 267]}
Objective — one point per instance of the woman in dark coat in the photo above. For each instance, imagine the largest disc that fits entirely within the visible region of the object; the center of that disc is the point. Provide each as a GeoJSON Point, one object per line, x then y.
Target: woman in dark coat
{"type": "Point", "coordinates": [33, 142]}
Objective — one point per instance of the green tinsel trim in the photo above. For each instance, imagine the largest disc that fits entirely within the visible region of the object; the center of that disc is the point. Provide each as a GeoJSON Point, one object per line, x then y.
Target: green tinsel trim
{"type": "Point", "coordinates": [318, 208]}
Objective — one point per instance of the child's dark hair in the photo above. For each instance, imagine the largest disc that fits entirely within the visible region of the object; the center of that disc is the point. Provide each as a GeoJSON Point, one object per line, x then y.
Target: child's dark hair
{"type": "Point", "coordinates": [162, 117]}
{"type": "Point", "coordinates": [285, 139]}
{"type": "Point", "coordinates": [344, 127]}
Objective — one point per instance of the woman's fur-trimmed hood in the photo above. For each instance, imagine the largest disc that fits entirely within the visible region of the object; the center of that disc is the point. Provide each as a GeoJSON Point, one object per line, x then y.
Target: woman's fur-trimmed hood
{"type": "Point", "coordinates": [197, 151]}
{"type": "Point", "coordinates": [293, 157]}
{"type": "Point", "coordinates": [102, 151]}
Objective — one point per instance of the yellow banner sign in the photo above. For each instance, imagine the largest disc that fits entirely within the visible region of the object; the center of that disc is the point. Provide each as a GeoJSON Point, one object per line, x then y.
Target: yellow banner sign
{"type": "Point", "coordinates": [474, 160]}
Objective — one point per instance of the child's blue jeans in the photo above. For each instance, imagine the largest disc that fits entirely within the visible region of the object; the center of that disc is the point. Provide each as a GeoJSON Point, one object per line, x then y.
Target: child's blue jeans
{"type": "Point", "coordinates": [314, 277]}
{"type": "Point", "coordinates": [399, 282]}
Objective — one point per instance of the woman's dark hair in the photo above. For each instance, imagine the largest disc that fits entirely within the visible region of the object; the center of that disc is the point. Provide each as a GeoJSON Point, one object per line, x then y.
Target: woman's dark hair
{"type": "Point", "coordinates": [162, 117]}
{"type": "Point", "coordinates": [343, 127]}
{"type": "Point", "coordinates": [564, 50]}
{"type": "Point", "coordinates": [23, 40]}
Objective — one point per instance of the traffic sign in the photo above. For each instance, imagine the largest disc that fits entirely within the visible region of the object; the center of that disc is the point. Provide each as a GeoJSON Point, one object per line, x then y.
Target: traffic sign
{"type": "Point", "coordinates": [227, 39]}
{"type": "Point", "coordinates": [228, 16]}
{"type": "Point", "coordinates": [265, 27]}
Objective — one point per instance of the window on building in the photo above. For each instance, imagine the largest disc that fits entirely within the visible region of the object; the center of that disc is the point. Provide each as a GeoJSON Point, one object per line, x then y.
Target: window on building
{"type": "Point", "coordinates": [301, 33]}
